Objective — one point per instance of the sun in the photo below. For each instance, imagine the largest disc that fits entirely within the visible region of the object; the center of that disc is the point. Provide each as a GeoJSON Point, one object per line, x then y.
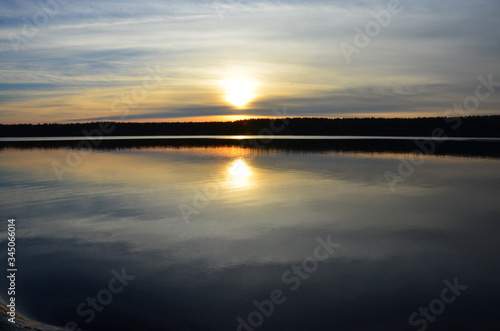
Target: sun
{"type": "Point", "coordinates": [239, 92]}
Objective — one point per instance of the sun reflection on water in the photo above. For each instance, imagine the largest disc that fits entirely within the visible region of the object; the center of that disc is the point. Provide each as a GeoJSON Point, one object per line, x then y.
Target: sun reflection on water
{"type": "Point", "coordinates": [239, 174]}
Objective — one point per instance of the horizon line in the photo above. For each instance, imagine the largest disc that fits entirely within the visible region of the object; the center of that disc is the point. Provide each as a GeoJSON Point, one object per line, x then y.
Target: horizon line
{"type": "Point", "coordinates": [250, 119]}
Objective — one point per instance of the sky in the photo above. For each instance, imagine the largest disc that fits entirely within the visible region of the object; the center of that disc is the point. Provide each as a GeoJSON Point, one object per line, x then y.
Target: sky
{"type": "Point", "coordinates": [197, 60]}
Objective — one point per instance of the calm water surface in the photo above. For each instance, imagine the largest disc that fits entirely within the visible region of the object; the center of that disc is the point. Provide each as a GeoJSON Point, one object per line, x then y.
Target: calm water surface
{"type": "Point", "coordinates": [206, 231]}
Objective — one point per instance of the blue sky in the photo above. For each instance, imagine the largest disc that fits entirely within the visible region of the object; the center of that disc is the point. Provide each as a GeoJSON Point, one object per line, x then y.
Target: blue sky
{"type": "Point", "coordinates": [68, 60]}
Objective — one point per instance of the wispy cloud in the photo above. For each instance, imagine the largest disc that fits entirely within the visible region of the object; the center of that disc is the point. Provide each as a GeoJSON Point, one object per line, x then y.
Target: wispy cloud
{"type": "Point", "coordinates": [90, 52]}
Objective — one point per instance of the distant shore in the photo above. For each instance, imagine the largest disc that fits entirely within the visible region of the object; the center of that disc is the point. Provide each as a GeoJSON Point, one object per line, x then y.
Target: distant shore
{"type": "Point", "coordinates": [472, 126]}
{"type": "Point", "coordinates": [482, 147]}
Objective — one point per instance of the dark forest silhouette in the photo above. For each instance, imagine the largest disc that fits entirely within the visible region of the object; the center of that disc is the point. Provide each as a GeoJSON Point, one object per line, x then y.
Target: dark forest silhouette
{"type": "Point", "coordinates": [473, 126]}
{"type": "Point", "coordinates": [483, 149]}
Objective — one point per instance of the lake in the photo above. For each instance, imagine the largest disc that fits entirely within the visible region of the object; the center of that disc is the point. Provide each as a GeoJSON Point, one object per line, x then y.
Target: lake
{"type": "Point", "coordinates": [235, 235]}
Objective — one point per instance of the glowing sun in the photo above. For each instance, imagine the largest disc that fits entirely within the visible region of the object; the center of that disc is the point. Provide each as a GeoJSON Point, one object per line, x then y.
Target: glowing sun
{"type": "Point", "coordinates": [239, 92]}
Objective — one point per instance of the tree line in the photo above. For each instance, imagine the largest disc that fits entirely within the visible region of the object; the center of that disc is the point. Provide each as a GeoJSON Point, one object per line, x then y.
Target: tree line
{"type": "Point", "coordinates": [472, 126]}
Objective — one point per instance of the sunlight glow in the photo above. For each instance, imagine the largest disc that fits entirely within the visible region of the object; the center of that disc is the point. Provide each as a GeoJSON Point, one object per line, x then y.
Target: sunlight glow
{"type": "Point", "coordinates": [239, 92]}
{"type": "Point", "coordinates": [239, 174]}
